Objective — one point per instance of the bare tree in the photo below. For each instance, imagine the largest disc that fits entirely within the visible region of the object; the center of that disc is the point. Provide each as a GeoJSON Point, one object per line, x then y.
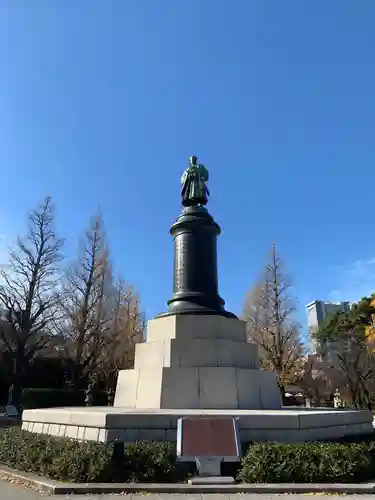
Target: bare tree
{"type": "Point", "coordinates": [319, 380]}
{"type": "Point", "coordinates": [126, 329]}
{"type": "Point", "coordinates": [269, 311]}
{"type": "Point", "coordinates": [87, 304]}
{"type": "Point", "coordinates": [28, 292]}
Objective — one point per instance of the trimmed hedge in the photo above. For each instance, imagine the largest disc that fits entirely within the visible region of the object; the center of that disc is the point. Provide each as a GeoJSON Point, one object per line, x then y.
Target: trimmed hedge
{"type": "Point", "coordinates": [308, 462]}
{"type": "Point", "coordinates": [75, 461]}
{"type": "Point", "coordinates": [51, 398]}
{"type": "Point", "coordinates": [146, 461]}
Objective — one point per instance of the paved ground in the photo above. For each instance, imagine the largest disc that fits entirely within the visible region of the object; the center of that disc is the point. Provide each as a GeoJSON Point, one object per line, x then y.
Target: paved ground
{"type": "Point", "coordinates": [9, 491]}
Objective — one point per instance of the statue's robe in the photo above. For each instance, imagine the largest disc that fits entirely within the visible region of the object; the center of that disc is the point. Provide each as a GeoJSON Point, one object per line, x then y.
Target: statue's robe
{"type": "Point", "coordinates": [194, 190]}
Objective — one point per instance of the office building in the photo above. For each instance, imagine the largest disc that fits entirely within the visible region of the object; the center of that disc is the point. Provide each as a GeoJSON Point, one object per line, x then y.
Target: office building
{"type": "Point", "coordinates": [318, 310]}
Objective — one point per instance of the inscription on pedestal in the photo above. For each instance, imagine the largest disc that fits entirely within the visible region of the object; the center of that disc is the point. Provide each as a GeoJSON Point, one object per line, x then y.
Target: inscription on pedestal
{"type": "Point", "coordinates": [207, 437]}
{"type": "Point", "coordinates": [181, 252]}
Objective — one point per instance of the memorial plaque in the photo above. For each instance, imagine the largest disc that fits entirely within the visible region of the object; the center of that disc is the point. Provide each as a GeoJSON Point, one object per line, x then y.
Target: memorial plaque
{"type": "Point", "coordinates": [208, 437]}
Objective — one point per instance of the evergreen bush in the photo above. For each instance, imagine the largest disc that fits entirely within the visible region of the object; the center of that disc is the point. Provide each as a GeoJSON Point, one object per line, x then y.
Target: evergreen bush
{"type": "Point", "coordinates": [308, 463]}
{"type": "Point", "coordinates": [84, 461]}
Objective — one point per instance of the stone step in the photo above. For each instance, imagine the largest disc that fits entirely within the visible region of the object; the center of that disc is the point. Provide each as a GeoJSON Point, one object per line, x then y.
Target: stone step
{"type": "Point", "coordinates": [128, 425]}
{"type": "Point", "coordinates": [193, 352]}
{"type": "Point", "coordinates": [192, 326]}
{"type": "Point", "coordinates": [202, 387]}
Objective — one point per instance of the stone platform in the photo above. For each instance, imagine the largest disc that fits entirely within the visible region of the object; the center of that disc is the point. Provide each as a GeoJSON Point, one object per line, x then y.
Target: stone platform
{"type": "Point", "coordinates": [104, 424]}
{"type": "Point", "coordinates": [196, 365]}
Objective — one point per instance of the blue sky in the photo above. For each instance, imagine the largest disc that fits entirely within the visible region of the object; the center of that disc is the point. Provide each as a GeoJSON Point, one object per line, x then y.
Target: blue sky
{"type": "Point", "coordinates": [102, 103]}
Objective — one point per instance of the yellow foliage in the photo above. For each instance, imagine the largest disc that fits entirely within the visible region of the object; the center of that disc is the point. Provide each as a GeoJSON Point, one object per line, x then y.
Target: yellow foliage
{"type": "Point", "coordinates": [370, 330]}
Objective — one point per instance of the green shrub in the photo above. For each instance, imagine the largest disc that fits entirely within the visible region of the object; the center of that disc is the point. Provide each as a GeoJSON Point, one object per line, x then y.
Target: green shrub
{"type": "Point", "coordinates": [150, 461]}
{"type": "Point", "coordinates": [51, 398]}
{"type": "Point", "coordinates": [308, 462]}
{"type": "Point", "coordinates": [75, 461]}
{"type": "Point", "coordinates": [146, 461]}
{"type": "Point", "coordinates": [58, 458]}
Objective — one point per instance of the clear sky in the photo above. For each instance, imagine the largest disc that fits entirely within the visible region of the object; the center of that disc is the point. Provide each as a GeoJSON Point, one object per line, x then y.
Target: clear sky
{"type": "Point", "coordinates": [103, 101]}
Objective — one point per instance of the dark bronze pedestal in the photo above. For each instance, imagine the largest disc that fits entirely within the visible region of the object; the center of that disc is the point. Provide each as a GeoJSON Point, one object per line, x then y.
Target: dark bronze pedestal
{"type": "Point", "coordinates": [195, 281]}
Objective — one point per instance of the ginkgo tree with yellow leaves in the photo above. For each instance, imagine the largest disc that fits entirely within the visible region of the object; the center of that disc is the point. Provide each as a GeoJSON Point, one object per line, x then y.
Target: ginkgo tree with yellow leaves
{"type": "Point", "coordinates": [272, 325]}
{"type": "Point", "coordinates": [370, 329]}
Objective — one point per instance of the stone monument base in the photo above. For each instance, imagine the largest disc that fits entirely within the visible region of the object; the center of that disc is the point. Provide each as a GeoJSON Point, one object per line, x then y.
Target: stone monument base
{"type": "Point", "coordinates": [106, 424]}
{"type": "Point", "coordinates": [197, 362]}
{"type": "Point", "coordinates": [196, 365]}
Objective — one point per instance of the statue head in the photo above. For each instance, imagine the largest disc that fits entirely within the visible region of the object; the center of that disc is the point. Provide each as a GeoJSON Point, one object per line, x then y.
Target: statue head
{"type": "Point", "coordinates": [193, 160]}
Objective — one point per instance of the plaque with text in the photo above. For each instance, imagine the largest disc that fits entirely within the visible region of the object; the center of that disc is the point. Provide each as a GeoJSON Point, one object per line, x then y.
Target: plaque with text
{"type": "Point", "coordinates": [208, 437]}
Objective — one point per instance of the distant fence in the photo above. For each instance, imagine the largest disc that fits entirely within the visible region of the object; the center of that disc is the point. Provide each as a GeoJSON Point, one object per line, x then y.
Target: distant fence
{"type": "Point", "coordinates": [50, 398]}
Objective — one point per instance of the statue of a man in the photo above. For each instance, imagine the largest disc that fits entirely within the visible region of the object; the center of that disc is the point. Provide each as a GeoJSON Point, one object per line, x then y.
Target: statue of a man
{"type": "Point", "coordinates": [194, 190]}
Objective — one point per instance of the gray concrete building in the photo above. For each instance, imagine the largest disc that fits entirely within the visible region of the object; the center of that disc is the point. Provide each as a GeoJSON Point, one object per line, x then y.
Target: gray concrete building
{"type": "Point", "coordinates": [318, 310]}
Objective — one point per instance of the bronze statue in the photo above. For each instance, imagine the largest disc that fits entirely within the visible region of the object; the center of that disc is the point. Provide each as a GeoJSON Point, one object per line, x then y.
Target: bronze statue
{"type": "Point", "coordinates": [194, 190]}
